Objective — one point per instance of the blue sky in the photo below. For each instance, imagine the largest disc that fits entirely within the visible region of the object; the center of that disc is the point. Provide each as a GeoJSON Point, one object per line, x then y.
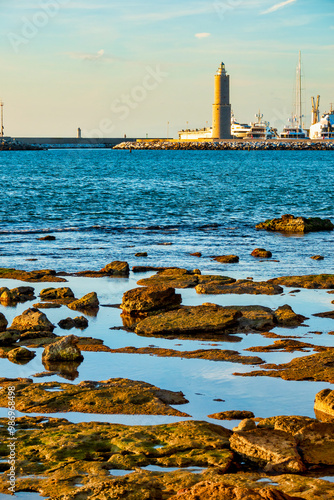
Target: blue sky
{"type": "Point", "coordinates": [116, 68]}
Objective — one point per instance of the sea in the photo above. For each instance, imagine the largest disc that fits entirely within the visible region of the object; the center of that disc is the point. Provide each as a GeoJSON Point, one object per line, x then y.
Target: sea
{"type": "Point", "coordinates": [106, 205]}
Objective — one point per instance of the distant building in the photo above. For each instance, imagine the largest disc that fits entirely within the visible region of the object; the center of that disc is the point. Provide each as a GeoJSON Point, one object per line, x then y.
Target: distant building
{"type": "Point", "coordinates": [221, 112]}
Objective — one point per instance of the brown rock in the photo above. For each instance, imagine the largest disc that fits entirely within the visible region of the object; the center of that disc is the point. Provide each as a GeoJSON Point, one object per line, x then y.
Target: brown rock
{"type": "Point", "coordinates": [32, 319]}
{"type": "Point", "coordinates": [261, 253]}
{"type": "Point", "coordinates": [56, 293]}
{"type": "Point", "coordinates": [19, 294]}
{"type": "Point", "coordinates": [196, 254]}
{"type": "Point", "coordinates": [220, 491]}
{"type": "Point", "coordinates": [20, 353]}
{"type": "Point", "coordinates": [316, 442]}
{"type": "Point", "coordinates": [86, 303]}
{"type": "Point", "coordinates": [232, 415]}
{"type": "Point", "coordinates": [276, 450]}
{"type": "Point", "coordinates": [285, 316]}
{"type": "Point", "coordinates": [245, 425]}
{"type": "Point", "coordinates": [324, 403]}
{"type": "Point", "coordinates": [227, 259]}
{"type": "Point", "coordinates": [290, 424]}
{"type": "Point", "coordinates": [290, 224]}
{"type": "Point", "coordinates": [117, 268]}
{"type": "Point", "coordinates": [315, 281]}
{"type": "Point", "coordinates": [3, 323]}
{"type": "Point", "coordinates": [47, 238]}
{"type": "Point", "coordinates": [239, 287]}
{"type": "Point", "coordinates": [150, 299]}
{"type": "Point", "coordinates": [64, 349]}
{"type": "Point", "coordinates": [141, 254]}
{"type": "Point", "coordinates": [327, 314]}
{"type": "Point", "coordinates": [47, 305]}
{"type": "Point", "coordinates": [317, 257]}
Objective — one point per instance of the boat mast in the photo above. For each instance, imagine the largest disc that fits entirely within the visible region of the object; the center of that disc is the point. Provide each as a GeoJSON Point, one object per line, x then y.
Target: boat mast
{"type": "Point", "coordinates": [2, 126]}
{"type": "Point", "coordinates": [299, 114]}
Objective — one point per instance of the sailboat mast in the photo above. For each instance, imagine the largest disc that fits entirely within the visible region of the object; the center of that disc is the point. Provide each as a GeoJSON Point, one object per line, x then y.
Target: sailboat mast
{"type": "Point", "coordinates": [300, 89]}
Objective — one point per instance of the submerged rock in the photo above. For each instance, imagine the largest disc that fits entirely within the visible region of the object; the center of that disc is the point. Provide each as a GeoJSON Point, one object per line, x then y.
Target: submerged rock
{"type": "Point", "coordinates": [289, 223]}
{"type": "Point", "coordinates": [32, 319]}
{"type": "Point", "coordinates": [64, 349]}
{"type": "Point", "coordinates": [239, 287]}
{"type": "Point", "coordinates": [150, 299]}
{"type": "Point", "coordinates": [261, 253]}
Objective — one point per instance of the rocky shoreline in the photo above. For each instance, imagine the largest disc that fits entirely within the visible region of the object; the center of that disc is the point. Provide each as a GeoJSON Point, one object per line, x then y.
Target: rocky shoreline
{"type": "Point", "coordinates": [282, 457]}
{"type": "Point", "coordinates": [235, 145]}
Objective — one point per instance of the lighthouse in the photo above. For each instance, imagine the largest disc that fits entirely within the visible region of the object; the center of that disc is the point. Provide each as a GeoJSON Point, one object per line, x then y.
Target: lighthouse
{"type": "Point", "coordinates": [221, 109]}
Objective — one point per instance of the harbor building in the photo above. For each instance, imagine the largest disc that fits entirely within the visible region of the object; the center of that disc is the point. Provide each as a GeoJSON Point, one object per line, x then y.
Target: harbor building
{"type": "Point", "coordinates": [221, 112]}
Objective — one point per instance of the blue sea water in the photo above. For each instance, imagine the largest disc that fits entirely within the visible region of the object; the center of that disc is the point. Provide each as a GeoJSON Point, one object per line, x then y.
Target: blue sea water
{"type": "Point", "coordinates": [104, 205]}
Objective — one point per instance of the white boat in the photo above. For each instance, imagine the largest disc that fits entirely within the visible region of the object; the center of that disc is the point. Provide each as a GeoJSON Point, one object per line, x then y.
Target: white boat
{"type": "Point", "coordinates": [293, 131]}
{"type": "Point", "coordinates": [239, 130]}
{"type": "Point", "coordinates": [324, 129]}
{"type": "Point", "coordinates": [261, 130]}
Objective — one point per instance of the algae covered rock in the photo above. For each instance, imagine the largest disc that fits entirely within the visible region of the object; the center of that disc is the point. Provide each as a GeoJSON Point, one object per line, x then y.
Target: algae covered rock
{"type": "Point", "coordinates": [276, 450]}
{"type": "Point", "coordinates": [117, 268]}
{"type": "Point", "coordinates": [208, 490]}
{"type": "Point", "coordinates": [150, 299]}
{"type": "Point", "coordinates": [285, 316]}
{"type": "Point", "coordinates": [89, 302]}
{"type": "Point", "coordinates": [290, 224]}
{"type": "Point", "coordinates": [20, 353]}
{"type": "Point", "coordinates": [56, 293]}
{"type": "Point", "coordinates": [32, 319]}
{"type": "Point", "coordinates": [239, 287]}
{"type": "Point", "coordinates": [64, 349]}
{"type": "Point", "coordinates": [261, 253]}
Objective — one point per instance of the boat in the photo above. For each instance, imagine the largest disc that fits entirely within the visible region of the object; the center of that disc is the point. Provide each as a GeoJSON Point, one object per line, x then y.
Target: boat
{"type": "Point", "coordinates": [324, 128]}
{"type": "Point", "coordinates": [293, 131]}
{"type": "Point", "coordinates": [239, 130]}
{"type": "Point", "coordinates": [261, 130]}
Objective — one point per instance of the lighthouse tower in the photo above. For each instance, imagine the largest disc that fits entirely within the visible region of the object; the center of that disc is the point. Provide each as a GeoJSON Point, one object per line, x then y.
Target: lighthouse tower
{"type": "Point", "coordinates": [221, 115]}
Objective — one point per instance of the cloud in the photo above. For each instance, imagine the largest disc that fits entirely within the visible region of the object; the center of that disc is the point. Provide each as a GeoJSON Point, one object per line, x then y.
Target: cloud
{"type": "Point", "coordinates": [278, 6]}
{"type": "Point", "coordinates": [89, 56]}
{"type": "Point", "coordinates": [202, 35]}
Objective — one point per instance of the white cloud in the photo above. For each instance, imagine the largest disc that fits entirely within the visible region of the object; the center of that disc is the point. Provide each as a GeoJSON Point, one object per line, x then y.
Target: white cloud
{"type": "Point", "coordinates": [89, 56]}
{"type": "Point", "coordinates": [202, 35]}
{"type": "Point", "coordinates": [278, 6]}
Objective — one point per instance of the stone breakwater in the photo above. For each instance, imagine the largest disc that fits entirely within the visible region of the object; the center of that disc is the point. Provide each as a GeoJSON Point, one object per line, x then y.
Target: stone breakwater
{"type": "Point", "coordinates": [230, 145]}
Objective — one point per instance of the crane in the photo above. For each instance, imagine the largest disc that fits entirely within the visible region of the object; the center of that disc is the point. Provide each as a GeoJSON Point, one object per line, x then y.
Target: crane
{"type": "Point", "coordinates": [315, 110]}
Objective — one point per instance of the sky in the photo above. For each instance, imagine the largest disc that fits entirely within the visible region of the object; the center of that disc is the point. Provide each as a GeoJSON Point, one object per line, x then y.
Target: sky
{"type": "Point", "coordinates": [145, 69]}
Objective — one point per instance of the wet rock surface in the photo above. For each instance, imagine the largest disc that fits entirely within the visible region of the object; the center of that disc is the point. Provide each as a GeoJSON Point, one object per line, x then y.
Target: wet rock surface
{"type": "Point", "coordinates": [114, 396]}
{"type": "Point", "coordinates": [44, 275]}
{"type": "Point", "coordinates": [150, 299]}
{"type": "Point", "coordinates": [227, 259]}
{"type": "Point", "coordinates": [239, 287]}
{"type": "Point", "coordinates": [313, 281]}
{"type": "Point", "coordinates": [290, 224]}
{"type": "Point", "coordinates": [261, 253]}
{"type": "Point", "coordinates": [117, 268]}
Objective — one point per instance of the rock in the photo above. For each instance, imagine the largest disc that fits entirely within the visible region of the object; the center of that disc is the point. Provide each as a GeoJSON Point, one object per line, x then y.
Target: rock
{"type": "Point", "coordinates": [80, 322]}
{"type": "Point", "coordinates": [196, 254]}
{"type": "Point", "coordinates": [245, 425]}
{"type": "Point", "coordinates": [86, 303]}
{"type": "Point", "coordinates": [32, 319]}
{"type": "Point", "coordinates": [113, 396]}
{"type": "Point", "coordinates": [324, 404]}
{"type": "Point", "coordinates": [182, 278]}
{"type": "Point", "coordinates": [8, 338]}
{"type": "Point", "coordinates": [141, 254]}
{"type": "Point", "coordinates": [146, 269]}
{"type": "Point", "coordinates": [43, 275]}
{"type": "Point", "coordinates": [317, 257]}
{"type": "Point", "coordinates": [64, 349]}
{"type": "Point", "coordinates": [316, 442]}
{"type": "Point", "coordinates": [20, 353]}
{"type": "Point", "coordinates": [207, 318]}
{"type": "Point", "coordinates": [56, 293]}
{"type": "Point", "coordinates": [285, 316]}
{"type": "Point", "coordinates": [290, 424]}
{"type": "Point", "coordinates": [47, 238]}
{"type": "Point", "coordinates": [219, 491]}
{"type": "Point", "coordinates": [289, 223]}
{"type": "Point", "coordinates": [117, 268]}
{"type": "Point", "coordinates": [318, 367]}
{"type": "Point", "coordinates": [150, 299]}
{"type": "Point", "coordinates": [47, 305]}
{"type": "Point", "coordinates": [261, 253]}
{"type": "Point", "coordinates": [239, 287]}
{"type": "Point", "coordinates": [19, 294]}
{"type": "Point", "coordinates": [3, 323]}
{"type": "Point", "coordinates": [275, 450]}
{"type": "Point", "coordinates": [327, 314]}
{"type": "Point", "coordinates": [232, 415]}
{"type": "Point", "coordinates": [316, 281]}
{"type": "Point", "coordinates": [66, 324]}
{"type": "Point", "coordinates": [227, 259]}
